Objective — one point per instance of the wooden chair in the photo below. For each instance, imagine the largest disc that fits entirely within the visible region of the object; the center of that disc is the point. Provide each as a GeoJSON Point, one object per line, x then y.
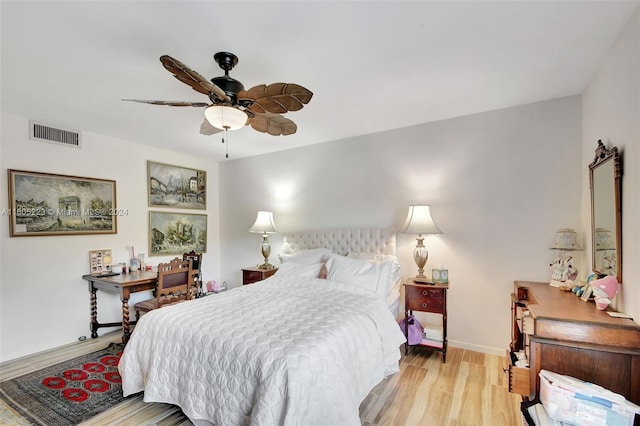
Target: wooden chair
{"type": "Point", "coordinates": [174, 281]}
{"type": "Point", "coordinates": [196, 263]}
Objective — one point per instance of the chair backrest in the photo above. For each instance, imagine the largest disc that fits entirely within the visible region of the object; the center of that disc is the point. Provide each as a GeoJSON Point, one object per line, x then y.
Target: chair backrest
{"type": "Point", "coordinates": [196, 259]}
{"type": "Point", "coordinates": [174, 281]}
{"type": "Point", "coordinates": [196, 264]}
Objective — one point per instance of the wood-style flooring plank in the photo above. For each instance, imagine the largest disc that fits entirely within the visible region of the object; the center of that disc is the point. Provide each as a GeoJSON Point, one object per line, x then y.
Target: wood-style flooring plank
{"type": "Point", "coordinates": [503, 413]}
{"type": "Point", "coordinates": [470, 404]}
{"type": "Point", "coordinates": [399, 407]}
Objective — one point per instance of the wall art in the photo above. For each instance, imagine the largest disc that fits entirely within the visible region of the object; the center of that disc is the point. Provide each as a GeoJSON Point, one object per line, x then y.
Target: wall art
{"type": "Point", "coordinates": [177, 233]}
{"type": "Point", "coordinates": [49, 204]}
{"type": "Point", "coordinates": [176, 186]}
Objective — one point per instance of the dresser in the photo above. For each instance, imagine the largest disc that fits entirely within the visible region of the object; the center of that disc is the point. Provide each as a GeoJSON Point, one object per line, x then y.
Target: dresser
{"type": "Point", "coordinates": [252, 275]}
{"type": "Point", "coordinates": [559, 332]}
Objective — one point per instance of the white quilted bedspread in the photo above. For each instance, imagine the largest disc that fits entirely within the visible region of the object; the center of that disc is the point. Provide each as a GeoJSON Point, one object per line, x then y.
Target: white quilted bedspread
{"type": "Point", "coordinates": [286, 351]}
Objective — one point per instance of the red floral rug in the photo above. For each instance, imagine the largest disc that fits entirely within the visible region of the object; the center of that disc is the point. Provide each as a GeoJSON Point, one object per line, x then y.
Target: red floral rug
{"type": "Point", "coordinates": [70, 392]}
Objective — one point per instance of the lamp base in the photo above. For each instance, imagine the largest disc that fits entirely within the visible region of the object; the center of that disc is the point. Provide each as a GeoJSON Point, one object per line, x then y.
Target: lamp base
{"type": "Point", "coordinates": [265, 267]}
{"type": "Point", "coordinates": [422, 280]}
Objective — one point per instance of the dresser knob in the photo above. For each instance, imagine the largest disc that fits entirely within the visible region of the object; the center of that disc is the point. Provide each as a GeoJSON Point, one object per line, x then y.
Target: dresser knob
{"type": "Point", "coordinates": [424, 305]}
{"type": "Point", "coordinates": [425, 292]}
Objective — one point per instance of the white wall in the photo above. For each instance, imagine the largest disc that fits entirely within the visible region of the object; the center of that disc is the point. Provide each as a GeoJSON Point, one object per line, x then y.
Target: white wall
{"type": "Point", "coordinates": [44, 302]}
{"type": "Point", "coordinates": [500, 184]}
{"type": "Point", "coordinates": [611, 112]}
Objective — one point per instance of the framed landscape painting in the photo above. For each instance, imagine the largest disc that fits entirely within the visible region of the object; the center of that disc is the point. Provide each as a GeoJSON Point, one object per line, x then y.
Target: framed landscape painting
{"type": "Point", "coordinates": [48, 204]}
{"type": "Point", "coordinates": [177, 233]}
{"type": "Point", "coordinates": [176, 186]}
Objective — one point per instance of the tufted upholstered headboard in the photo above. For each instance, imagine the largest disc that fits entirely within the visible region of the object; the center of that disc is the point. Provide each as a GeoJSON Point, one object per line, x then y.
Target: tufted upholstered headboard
{"type": "Point", "coordinates": [343, 241]}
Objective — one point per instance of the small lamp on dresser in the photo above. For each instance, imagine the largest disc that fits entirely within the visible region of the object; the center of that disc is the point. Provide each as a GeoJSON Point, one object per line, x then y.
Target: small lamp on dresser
{"type": "Point", "coordinates": [563, 271]}
{"type": "Point", "coordinates": [419, 221]}
{"type": "Point", "coordinates": [264, 224]}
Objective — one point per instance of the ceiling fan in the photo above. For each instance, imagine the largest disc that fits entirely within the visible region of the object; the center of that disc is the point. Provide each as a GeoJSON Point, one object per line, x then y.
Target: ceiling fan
{"type": "Point", "coordinates": [231, 106]}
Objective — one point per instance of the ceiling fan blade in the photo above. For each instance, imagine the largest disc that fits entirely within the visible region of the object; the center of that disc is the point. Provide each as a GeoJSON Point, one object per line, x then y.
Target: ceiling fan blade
{"type": "Point", "coordinates": [276, 98]}
{"type": "Point", "coordinates": [207, 129]}
{"type": "Point", "coordinates": [273, 124]}
{"type": "Point", "coordinates": [170, 103]}
{"type": "Point", "coordinates": [192, 78]}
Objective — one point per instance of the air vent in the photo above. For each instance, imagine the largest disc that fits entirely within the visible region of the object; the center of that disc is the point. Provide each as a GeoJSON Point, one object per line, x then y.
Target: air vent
{"type": "Point", "coordinates": [45, 133]}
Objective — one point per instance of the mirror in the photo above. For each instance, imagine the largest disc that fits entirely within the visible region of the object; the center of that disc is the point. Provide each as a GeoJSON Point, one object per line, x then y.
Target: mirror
{"type": "Point", "coordinates": [605, 176]}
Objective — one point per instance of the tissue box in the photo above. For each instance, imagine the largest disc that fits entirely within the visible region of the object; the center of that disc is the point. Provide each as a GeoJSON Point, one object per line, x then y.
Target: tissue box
{"type": "Point", "coordinates": [569, 400]}
{"type": "Point", "coordinates": [440, 275]}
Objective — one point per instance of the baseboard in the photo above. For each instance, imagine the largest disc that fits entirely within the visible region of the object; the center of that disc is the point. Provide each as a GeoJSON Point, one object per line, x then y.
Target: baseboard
{"type": "Point", "coordinates": [476, 348]}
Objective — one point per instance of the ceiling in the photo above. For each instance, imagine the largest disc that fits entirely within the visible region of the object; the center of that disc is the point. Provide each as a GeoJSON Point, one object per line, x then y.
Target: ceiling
{"type": "Point", "coordinates": [372, 65]}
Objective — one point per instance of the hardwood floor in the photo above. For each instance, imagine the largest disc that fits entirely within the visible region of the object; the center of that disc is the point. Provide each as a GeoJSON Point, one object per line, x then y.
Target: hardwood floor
{"type": "Point", "coordinates": [470, 389]}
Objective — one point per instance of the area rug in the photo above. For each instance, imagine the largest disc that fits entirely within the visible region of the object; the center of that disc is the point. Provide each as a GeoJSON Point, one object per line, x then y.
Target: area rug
{"type": "Point", "coordinates": [70, 392]}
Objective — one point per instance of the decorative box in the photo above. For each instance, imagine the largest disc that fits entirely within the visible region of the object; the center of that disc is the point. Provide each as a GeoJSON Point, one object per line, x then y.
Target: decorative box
{"type": "Point", "coordinates": [440, 275]}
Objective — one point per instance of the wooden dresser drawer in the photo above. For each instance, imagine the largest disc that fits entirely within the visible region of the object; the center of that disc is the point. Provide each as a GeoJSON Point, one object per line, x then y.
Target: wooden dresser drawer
{"type": "Point", "coordinates": [526, 324]}
{"type": "Point", "coordinates": [519, 377]}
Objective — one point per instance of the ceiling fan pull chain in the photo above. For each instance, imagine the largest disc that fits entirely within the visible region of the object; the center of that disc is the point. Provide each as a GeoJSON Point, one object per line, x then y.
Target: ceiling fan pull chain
{"type": "Point", "coordinates": [226, 147]}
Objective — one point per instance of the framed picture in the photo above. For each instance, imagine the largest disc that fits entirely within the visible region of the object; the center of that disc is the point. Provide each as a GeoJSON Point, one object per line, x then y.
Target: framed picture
{"type": "Point", "coordinates": [176, 186]}
{"type": "Point", "coordinates": [49, 204]}
{"type": "Point", "coordinates": [177, 233]}
{"type": "Point", "coordinates": [99, 261]}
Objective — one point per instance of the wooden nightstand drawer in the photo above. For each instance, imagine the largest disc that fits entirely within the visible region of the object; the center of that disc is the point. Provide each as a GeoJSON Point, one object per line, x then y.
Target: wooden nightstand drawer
{"type": "Point", "coordinates": [425, 292]}
{"type": "Point", "coordinates": [426, 305]}
{"type": "Point", "coordinates": [252, 275]}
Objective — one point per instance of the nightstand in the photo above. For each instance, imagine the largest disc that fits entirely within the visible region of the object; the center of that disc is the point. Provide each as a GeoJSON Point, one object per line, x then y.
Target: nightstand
{"type": "Point", "coordinates": [252, 275]}
{"type": "Point", "coordinates": [427, 298]}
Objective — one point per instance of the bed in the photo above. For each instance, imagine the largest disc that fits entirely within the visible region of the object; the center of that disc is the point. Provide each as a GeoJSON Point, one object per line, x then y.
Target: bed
{"type": "Point", "coordinates": [293, 349]}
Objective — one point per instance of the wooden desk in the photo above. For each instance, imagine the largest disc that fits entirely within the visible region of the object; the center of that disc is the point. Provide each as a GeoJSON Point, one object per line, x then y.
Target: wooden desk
{"type": "Point", "coordinates": [124, 285]}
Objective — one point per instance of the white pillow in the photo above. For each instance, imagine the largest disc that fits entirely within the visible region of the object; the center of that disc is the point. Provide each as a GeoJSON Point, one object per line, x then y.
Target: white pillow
{"type": "Point", "coordinates": [362, 255]}
{"type": "Point", "coordinates": [373, 277]}
{"type": "Point", "coordinates": [300, 270]}
{"type": "Point", "coordinates": [306, 257]}
{"type": "Point", "coordinates": [375, 257]}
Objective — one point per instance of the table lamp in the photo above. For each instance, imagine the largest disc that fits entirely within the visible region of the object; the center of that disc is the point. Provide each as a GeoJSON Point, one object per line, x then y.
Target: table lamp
{"type": "Point", "coordinates": [419, 222]}
{"type": "Point", "coordinates": [563, 270]}
{"type": "Point", "coordinates": [264, 224]}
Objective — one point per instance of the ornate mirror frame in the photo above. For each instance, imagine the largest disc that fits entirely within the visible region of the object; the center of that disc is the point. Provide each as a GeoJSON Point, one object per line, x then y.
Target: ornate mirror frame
{"type": "Point", "coordinates": [605, 181]}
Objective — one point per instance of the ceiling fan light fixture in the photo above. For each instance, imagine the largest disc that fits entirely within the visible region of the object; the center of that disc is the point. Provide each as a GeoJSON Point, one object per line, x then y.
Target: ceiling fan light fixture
{"type": "Point", "coordinates": [225, 117]}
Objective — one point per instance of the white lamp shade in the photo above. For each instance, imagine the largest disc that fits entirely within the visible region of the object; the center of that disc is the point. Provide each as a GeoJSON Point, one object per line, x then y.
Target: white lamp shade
{"type": "Point", "coordinates": [419, 221]}
{"type": "Point", "coordinates": [264, 223]}
{"type": "Point", "coordinates": [225, 117]}
{"type": "Point", "coordinates": [566, 240]}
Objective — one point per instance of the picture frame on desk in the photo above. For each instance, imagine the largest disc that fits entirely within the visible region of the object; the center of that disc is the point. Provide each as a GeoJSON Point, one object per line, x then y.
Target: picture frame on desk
{"type": "Point", "coordinates": [99, 261]}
